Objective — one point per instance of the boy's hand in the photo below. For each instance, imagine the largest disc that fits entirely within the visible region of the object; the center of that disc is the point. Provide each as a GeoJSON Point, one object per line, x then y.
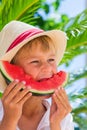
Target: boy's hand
{"type": "Point", "coordinates": [13, 100]}
{"type": "Point", "coordinates": [59, 109]}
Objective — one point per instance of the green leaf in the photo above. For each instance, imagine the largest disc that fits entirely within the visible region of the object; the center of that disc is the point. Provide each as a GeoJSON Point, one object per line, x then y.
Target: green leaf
{"type": "Point", "coordinates": [81, 121]}
{"type": "Point", "coordinates": [81, 94]}
{"type": "Point", "coordinates": [82, 73]}
{"type": "Point", "coordinates": [17, 10]}
{"type": "Point", "coordinates": [72, 53]}
{"type": "Point", "coordinates": [0, 94]}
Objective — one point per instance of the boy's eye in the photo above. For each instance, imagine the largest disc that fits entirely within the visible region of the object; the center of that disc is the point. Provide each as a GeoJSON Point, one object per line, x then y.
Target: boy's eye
{"type": "Point", "coordinates": [51, 60]}
{"type": "Point", "coordinates": [35, 61]}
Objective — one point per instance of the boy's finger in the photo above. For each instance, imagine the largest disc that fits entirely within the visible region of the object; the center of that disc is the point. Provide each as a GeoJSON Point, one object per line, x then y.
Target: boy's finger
{"type": "Point", "coordinates": [62, 99]}
{"type": "Point", "coordinates": [20, 95]}
{"type": "Point", "coordinates": [9, 88]}
{"type": "Point", "coordinates": [25, 98]}
{"type": "Point", "coordinates": [53, 106]}
{"type": "Point", "coordinates": [15, 91]}
{"type": "Point", "coordinates": [59, 99]}
{"type": "Point", "coordinates": [65, 97]}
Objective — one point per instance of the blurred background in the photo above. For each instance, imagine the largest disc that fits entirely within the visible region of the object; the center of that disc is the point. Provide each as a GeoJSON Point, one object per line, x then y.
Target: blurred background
{"type": "Point", "coordinates": [71, 17]}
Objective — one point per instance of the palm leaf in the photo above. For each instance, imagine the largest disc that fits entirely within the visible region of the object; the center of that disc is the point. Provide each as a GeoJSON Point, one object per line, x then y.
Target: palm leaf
{"type": "Point", "coordinates": [72, 53]}
{"type": "Point", "coordinates": [76, 24]}
{"type": "Point", "coordinates": [82, 73]}
{"type": "Point", "coordinates": [76, 29]}
{"type": "Point", "coordinates": [81, 121]}
{"type": "Point", "coordinates": [18, 10]}
{"type": "Point", "coordinates": [82, 108]}
{"type": "Point", "coordinates": [80, 114]}
{"type": "Point", "coordinates": [81, 94]}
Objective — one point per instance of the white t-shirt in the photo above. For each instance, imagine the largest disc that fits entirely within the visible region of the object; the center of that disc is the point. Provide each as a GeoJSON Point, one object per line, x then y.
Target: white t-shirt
{"type": "Point", "coordinates": [66, 123]}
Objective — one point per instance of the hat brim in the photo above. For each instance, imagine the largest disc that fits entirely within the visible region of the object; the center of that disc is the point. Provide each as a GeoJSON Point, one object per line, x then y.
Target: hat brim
{"type": "Point", "coordinates": [59, 40]}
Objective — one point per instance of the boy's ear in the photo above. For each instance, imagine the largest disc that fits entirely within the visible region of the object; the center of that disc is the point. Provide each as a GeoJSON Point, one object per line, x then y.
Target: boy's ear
{"type": "Point", "coordinates": [3, 84]}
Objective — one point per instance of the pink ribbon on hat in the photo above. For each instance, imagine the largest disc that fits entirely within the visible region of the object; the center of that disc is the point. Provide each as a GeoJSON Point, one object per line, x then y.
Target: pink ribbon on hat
{"type": "Point", "coordinates": [24, 36]}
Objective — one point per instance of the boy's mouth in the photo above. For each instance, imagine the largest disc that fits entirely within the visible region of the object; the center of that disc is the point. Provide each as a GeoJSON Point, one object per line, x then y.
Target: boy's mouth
{"type": "Point", "coordinates": [44, 79]}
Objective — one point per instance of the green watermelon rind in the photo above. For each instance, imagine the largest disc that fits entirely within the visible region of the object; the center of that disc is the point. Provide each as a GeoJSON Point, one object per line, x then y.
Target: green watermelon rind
{"type": "Point", "coordinates": [4, 73]}
{"type": "Point", "coordinates": [33, 91]}
{"type": "Point", "coordinates": [65, 82]}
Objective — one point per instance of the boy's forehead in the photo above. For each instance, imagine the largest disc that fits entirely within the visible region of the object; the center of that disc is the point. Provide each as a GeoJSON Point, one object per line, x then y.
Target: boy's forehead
{"type": "Point", "coordinates": [37, 51]}
{"type": "Point", "coordinates": [40, 49]}
{"type": "Point", "coordinates": [38, 45]}
{"type": "Point", "coordinates": [35, 46]}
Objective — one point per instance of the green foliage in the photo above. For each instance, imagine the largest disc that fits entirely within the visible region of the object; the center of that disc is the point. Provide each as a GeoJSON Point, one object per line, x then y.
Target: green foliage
{"type": "Point", "coordinates": [76, 29]}
{"type": "Point", "coordinates": [74, 76]}
{"type": "Point", "coordinates": [18, 10]}
{"type": "Point", "coordinates": [45, 21]}
{"type": "Point", "coordinates": [0, 94]}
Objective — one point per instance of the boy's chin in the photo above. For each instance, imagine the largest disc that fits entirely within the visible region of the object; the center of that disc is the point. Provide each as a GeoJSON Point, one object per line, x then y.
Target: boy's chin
{"type": "Point", "coordinates": [45, 96]}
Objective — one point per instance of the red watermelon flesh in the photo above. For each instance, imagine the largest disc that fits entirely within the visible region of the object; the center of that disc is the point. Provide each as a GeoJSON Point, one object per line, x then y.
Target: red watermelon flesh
{"type": "Point", "coordinates": [44, 87]}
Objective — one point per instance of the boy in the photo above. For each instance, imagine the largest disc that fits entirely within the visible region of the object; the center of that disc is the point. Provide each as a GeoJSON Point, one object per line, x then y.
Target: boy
{"type": "Point", "coordinates": [38, 53]}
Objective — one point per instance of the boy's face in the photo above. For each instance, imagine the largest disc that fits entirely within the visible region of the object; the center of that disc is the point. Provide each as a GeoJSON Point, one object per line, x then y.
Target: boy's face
{"type": "Point", "coordinates": [37, 63]}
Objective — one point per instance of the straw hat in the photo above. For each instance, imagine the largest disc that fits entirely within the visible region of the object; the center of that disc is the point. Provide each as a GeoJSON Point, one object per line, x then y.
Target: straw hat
{"type": "Point", "coordinates": [16, 34]}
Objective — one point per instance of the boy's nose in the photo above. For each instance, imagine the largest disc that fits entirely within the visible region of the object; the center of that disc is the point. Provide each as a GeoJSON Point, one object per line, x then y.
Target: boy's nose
{"type": "Point", "coordinates": [46, 67]}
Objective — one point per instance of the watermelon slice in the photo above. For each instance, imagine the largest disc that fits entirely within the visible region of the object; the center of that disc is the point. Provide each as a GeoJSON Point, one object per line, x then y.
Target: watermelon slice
{"type": "Point", "coordinates": [44, 87]}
